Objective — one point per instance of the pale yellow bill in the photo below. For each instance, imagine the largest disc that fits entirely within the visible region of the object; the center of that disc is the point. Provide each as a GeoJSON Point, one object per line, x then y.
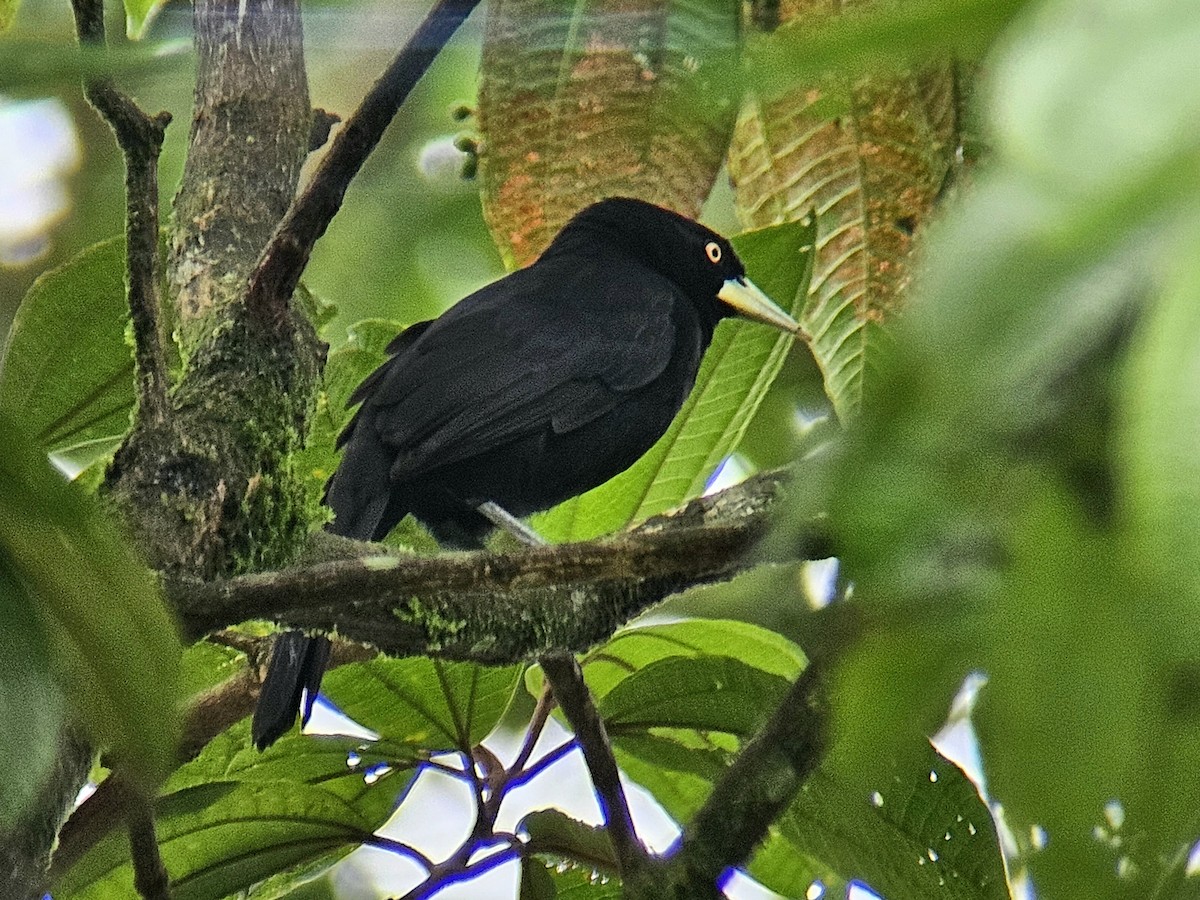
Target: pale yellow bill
{"type": "Point", "coordinates": [749, 301]}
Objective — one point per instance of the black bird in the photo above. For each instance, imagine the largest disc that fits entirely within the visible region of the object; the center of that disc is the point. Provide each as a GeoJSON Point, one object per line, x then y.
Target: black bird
{"type": "Point", "coordinates": [531, 390]}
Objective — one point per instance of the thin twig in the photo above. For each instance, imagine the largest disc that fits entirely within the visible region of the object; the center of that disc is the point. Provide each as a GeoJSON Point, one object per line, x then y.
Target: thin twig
{"type": "Point", "coordinates": [537, 722]}
{"type": "Point", "coordinates": [150, 877]}
{"type": "Point", "coordinates": [436, 880]}
{"type": "Point", "coordinates": [387, 843]}
{"type": "Point", "coordinates": [566, 680]}
{"type": "Point", "coordinates": [282, 262]}
{"type": "Point", "coordinates": [541, 764]}
{"type": "Point", "coordinates": [140, 138]}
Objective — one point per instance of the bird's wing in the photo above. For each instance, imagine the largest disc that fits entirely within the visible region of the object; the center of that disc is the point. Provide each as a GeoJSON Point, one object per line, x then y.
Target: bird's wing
{"type": "Point", "coordinates": [550, 346]}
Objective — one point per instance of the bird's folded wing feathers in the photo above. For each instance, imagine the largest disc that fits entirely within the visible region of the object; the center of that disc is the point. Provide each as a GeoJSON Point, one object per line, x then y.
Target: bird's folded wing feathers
{"type": "Point", "coordinates": [502, 379]}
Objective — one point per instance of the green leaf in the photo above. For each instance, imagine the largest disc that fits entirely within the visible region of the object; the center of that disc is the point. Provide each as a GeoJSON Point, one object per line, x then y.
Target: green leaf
{"type": "Point", "coordinates": [205, 665]}
{"type": "Point", "coordinates": [737, 370]}
{"type": "Point", "coordinates": [587, 100]}
{"type": "Point", "coordinates": [138, 16]}
{"type": "Point", "coordinates": [556, 834]}
{"type": "Point", "coordinates": [313, 881]}
{"type": "Point", "coordinates": [636, 647]}
{"type": "Point", "coordinates": [876, 36]}
{"type": "Point", "coordinates": [47, 66]}
{"type": "Point", "coordinates": [226, 814]}
{"type": "Point", "coordinates": [67, 371]}
{"type": "Point", "coordinates": [32, 704]}
{"type": "Point", "coordinates": [632, 649]}
{"type": "Point", "coordinates": [871, 167]}
{"type": "Point", "coordinates": [113, 649]}
{"type": "Point", "coordinates": [679, 767]}
{"type": "Point", "coordinates": [565, 881]}
{"type": "Point", "coordinates": [707, 693]}
{"type": "Point", "coordinates": [220, 838]}
{"type": "Point", "coordinates": [536, 881]}
{"type": "Point", "coordinates": [654, 734]}
{"type": "Point", "coordinates": [8, 13]}
{"type": "Point", "coordinates": [924, 834]}
{"type": "Point", "coordinates": [1160, 432]}
{"type": "Point", "coordinates": [368, 775]}
{"type": "Point", "coordinates": [422, 702]}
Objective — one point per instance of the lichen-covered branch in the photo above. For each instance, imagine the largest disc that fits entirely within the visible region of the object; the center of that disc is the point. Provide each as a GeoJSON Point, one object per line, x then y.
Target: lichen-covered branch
{"type": "Point", "coordinates": [500, 608]}
{"type": "Point", "coordinates": [210, 492]}
{"type": "Point", "coordinates": [251, 128]}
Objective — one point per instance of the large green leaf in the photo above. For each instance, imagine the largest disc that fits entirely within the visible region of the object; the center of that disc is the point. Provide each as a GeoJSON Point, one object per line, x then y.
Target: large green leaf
{"type": "Point", "coordinates": [8, 12]}
{"type": "Point", "coordinates": [549, 879]}
{"type": "Point", "coordinates": [67, 371]}
{"type": "Point", "coordinates": [706, 693]}
{"type": "Point", "coordinates": [870, 158]}
{"type": "Point", "coordinates": [222, 837]}
{"type": "Point", "coordinates": [738, 369]}
{"type": "Point", "coordinates": [73, 587]}
{"type": "Point", "coordinates": [423, 702]}
{"type": "Point", "coordinates": [925, 835]}
{"type": "Point", "coordinates": [234, 816]}
{"type": "Point", "coordinates": [595, 98]}
{"type": "Point", "coordinates": [369, 775]}
{"type": "Point", "coordinates": [633, 649]}
{"type": "Point", "coordinates": [554, 833]}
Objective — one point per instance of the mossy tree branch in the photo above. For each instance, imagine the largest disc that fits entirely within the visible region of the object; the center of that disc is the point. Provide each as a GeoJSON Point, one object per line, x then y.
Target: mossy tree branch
{"type": "Point", "coordinates": [502, 607]}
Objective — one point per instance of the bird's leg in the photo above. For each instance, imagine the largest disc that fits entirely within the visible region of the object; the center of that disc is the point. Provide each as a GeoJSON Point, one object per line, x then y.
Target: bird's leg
{"type": "Point", "coordinates": [502, 518]}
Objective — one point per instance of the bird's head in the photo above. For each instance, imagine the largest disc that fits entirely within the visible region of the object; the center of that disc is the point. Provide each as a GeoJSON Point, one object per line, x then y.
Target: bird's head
{"type": "Point", "coordinates": [696, 258]}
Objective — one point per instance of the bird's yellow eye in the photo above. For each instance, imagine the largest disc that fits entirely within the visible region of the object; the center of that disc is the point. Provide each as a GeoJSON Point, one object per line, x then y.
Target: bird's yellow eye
{"type": "Point", "coordinates": [713, 249]}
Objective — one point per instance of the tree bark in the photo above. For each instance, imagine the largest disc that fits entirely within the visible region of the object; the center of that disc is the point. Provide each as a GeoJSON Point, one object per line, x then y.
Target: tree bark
{"type": "Point", "coordinates": [208, 491]}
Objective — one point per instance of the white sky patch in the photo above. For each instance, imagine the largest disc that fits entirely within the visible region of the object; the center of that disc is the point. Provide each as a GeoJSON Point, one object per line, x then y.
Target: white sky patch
{"type": "Point", "coordinates": [38, 149]}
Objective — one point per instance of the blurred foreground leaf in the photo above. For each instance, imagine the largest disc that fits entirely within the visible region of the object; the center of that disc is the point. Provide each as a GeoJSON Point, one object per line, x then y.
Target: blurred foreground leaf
{"type": "Point", "coordinates": [84, 625]}
{"type": "Point", "coordinates": [983, 514]}
{"type": "Point", "coordinates": [8, 12]}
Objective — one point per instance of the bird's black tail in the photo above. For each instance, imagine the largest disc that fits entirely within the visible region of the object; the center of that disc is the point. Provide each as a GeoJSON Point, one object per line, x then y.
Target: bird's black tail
{"type": "Point", "coordinates": [293, 678]}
